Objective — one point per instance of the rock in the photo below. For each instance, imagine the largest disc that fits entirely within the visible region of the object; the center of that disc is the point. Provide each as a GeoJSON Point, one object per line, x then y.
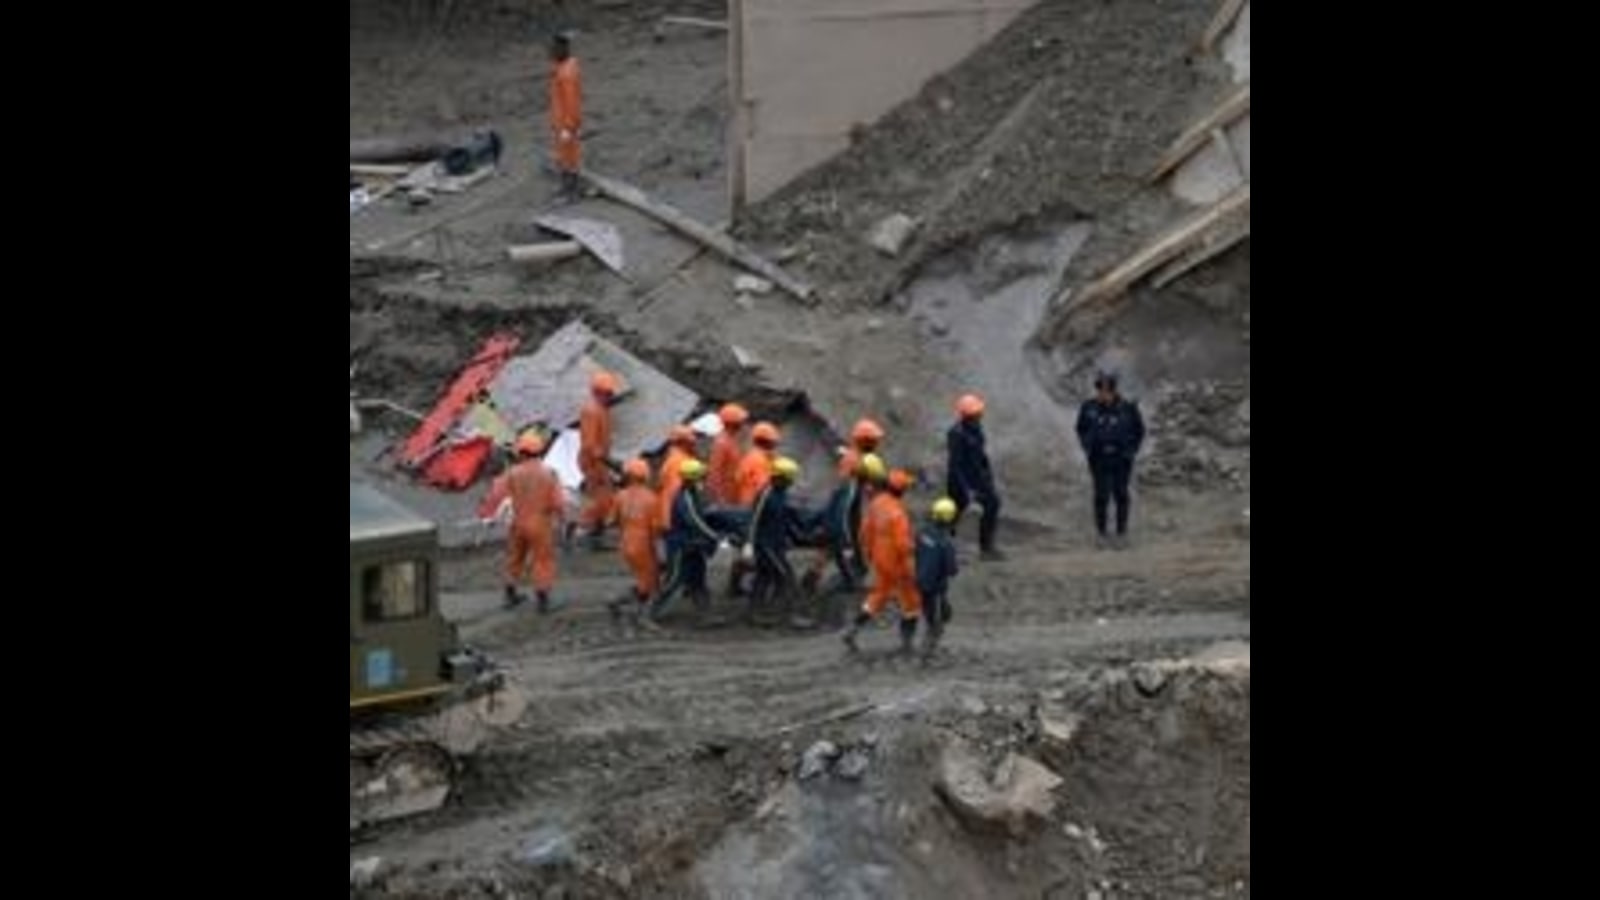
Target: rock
{"type": "Point", "coordinates": [364, 871]}
{"type": "Point", "coordinates": [1072, 831]}
{"type": "Point", "coordinates": [744, 302]}
{"type": "Point", "coordinates": [816, 759]}
{"type": "Point", "coordinates": [889, 236]}
{"type": "Point", "coordinates": [1056, 729]}
{"type": "Point", "coordinates": [786, 254]}
{"type": "Point", "coordinates": [1093, 895]}
{"type": "Point", "coordinates": [1018, 796]}
{"type": "Point", "coordinates": [897, 393]}
{"type": "Point", "coordinates": [874, 325]}
{"type": "Point", "coordinates": [853, 765]}
{"type": "Point", "coordinates": [547, 846]}
{"type": "Point", "coordinates": [974, 706]}
{"type": "Point", "coordinates": [745, 358]}
{"type": "Point", "coordinates": [751, 284]}
{"type": "Point", "coordinates": [945, 104]}
{"type": "Point", "coordinates": [870, 739]}
{"type": "Point", "coordinates": [1149, 679]}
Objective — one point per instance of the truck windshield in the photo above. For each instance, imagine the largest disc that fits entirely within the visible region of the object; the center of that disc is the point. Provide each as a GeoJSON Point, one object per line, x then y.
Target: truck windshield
{"type": "Point", "coordinates": [394, 591]}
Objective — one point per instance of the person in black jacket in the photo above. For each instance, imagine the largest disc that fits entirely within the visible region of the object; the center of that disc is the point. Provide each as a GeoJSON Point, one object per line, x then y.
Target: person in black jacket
{"type": "Point", "coordinates": [968, 477]}
{"type": "Point", "coordinates": [774, 527]}
{"type": "Point", "coordinates": [691, 540]}
{"type": "Point", "coordinates": [1110, 430]}
{"type": "Point", "coordinates": [936, 565]}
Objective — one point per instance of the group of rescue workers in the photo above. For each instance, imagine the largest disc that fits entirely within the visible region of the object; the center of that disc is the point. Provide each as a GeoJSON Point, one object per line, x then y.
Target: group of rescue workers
{"type": "Point", "coordinates": [738, 497]}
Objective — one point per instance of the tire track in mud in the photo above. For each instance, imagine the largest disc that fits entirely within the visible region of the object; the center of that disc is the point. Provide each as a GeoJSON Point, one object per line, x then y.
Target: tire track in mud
{"type": "Point", "coordinates": [612, 716]}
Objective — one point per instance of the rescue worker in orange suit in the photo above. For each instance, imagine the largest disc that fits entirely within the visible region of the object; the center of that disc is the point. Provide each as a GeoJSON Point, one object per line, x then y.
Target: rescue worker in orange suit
{"type": "Point", "coordinates": [681, 445]}
{"type": "Point", "coordinates": [536, 512]}
{"type": "Point", "coordinates": [755, 471]}
{"type": "Point", "coordinates": [774, 526]}
{"type": "Point", "coordinates": [865, 438]}
{"type": "Point", "coordinates": [891, 552]}
{"type": "Point", "coordinates": [594, 457]}
{"type": "Point", "coordinates": [566, 113]}
{"type": "Point", "coordinates": [722, 484]}
{"type": "Point", "coordinates": [968, 476]}
{"type": "Point", "coordinates": [638, 513]}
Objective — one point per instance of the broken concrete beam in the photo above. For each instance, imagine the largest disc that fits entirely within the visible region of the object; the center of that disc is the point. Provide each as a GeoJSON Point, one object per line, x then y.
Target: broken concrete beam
{"type": "Point", "coordinates": [1164, 248]}
{"type": "Point", "coordinates": [1217, 240]}
{"type": "Point", "coordinates": [630, 196]}
{"type": "Point", "coordinates": [1236, 105]}
{"type": "Point", "coordinates": [375, 170]}
{"type": "Point", "coordinates": [542, 254]}
{"type": "Point", "coordinates": [889, 236]}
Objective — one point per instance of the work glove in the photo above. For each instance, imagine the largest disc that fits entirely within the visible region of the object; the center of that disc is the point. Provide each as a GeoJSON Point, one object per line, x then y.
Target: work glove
{"type": "Point", "coordinates": [748, 553]}
{"type": "Point", "coordinates": [566, 134]}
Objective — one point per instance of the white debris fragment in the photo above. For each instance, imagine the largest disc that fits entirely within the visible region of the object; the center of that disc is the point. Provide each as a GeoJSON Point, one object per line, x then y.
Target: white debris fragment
{"type": "Point", "coordinates": [889, 236]}
{"type": "Point", "coordinates": [751, 284]}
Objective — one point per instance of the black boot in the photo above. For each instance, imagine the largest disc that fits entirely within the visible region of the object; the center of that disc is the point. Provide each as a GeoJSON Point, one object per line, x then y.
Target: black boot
{"type": "Point", "coordinates": [930, 641]}
{"type": "Point", "coordinates": [849, 636]}
{"type": "Point", "coordinates": [908, 634]}
{"type": "Point", "coordinates": [512, 597]}
{"type": "Point", "coordinates": [544, 602]}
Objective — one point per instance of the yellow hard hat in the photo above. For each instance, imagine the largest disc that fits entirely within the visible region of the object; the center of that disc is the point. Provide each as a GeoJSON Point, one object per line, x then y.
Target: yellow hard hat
{"type": "Point", "coordinates": [692, 469]}
{"type": "Point", "coordinates": [944, 510]}
{"type": "Point", "coordinates": [873, 468]}
{"type": "Point", "coordinates": [784, 467]}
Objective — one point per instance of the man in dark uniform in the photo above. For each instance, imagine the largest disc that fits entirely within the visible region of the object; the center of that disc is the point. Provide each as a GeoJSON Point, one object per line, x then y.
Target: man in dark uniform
{"type": "Point", "coordinates": [1110, 430]}
{"type": "Point", "coordinates": [969, 477]}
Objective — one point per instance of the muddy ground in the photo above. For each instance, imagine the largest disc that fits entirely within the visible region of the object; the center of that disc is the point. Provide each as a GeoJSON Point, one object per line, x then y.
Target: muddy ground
{"type": "Point", "coordinates": [665, 765]}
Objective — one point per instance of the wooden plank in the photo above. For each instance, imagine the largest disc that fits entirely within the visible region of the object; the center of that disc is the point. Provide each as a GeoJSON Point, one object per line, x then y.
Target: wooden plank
{"type": "Point", "coordinates": [543, 253]}
{"type": "Point", "coordinates": [630, 196]}
{"type": "Point", "coordinates": [1217, 241]}
{"type": "Point", "coordinates": [1219, 23]}
{"type": "Point", "coordinates": [1236, 105]}
{"type": "Point", "coordinates": [380, 171]}
{"type": "Point", "coordinates": [692, 22]}
{"type": "Point", "coordinates": [1162, 249]}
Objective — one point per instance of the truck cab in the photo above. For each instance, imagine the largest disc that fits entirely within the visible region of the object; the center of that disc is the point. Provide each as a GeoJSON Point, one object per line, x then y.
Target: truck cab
{"type": "Point", "coordinates": [402, 651]}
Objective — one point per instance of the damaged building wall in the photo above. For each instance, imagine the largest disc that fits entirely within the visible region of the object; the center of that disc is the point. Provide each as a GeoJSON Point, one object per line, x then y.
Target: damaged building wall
{"type": "Point", "coordinates": [810, 71]}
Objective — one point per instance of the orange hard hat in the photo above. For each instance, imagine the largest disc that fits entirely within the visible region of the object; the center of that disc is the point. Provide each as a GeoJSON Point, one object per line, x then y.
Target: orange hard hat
{"type": "Point", "coordinates": [529, 443]}
{"type": "Point", "coordinates": [604, 383]}
{"type": "Point", "coordinates": [637, 470]}
{"type": "Point", "coordinates": [865, 431]}
{"type": "Point", "coordinates": [899, 481]}
{"type": "Point", "coordinates": [969, 405]}
{"type": "Point", "coordinates": [733, 415]}
{"type": "Point", "coordinates": [764, 433]}
{"type": "Point", "coordinates": [682, 435]}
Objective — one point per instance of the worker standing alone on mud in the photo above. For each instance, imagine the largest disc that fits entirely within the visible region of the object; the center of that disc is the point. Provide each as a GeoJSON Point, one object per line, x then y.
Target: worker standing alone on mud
{"type": "Point", "coordinates": [536, 511]}
{"type": "Point", "coordinates": [566, 113]}
{"type": "Point", "coordinates": [723, 481]}
{"type": "Point", "coordinates": [968, 475]}
{"type": "Point", "coordinates": [936, 565]}
{"type": "Point", "coordinates": [594, 457]}
{"type": "Point", "coordinates": [638, 514]}
{"type": "Point", "coordinates": [1110, 431]}
{"type": "Point", "coordinates": [887, 541]}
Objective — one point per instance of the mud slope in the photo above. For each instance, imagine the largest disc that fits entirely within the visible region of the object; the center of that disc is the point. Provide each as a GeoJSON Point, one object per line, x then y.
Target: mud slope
{"type": "Point", "coordinates": [1065, 109]}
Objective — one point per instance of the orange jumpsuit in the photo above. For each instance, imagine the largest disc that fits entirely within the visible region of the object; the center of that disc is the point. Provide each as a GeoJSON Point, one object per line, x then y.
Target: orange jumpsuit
{"type": "Point", "coordinates": [671, 480]}
{"type": "Point", "coordinates": [723, 478]}
{"type": "Point", "coordinates": [639, 515]}
{"type": "Point", "coordinates": [755, 470]}
{"type": "Point", "coordinates": [566, 112]}
{"type": "Point", "coordinates": [886, 541]}
{"type": "Point", "coordinates": [536, 508]}
{"type": "Point", "coordinates": [594, 431]}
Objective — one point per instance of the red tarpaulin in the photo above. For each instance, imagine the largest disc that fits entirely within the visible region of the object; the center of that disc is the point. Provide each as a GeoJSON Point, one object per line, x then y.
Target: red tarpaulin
{"type": "Point", "coordinates": [458, 465]}
{"type": "Point", "coordinates": [474, 377]}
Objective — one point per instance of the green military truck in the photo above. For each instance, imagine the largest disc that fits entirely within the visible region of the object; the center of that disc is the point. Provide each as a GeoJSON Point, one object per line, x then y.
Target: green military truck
{"type": "Point", "coordinates": [420, 702]}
